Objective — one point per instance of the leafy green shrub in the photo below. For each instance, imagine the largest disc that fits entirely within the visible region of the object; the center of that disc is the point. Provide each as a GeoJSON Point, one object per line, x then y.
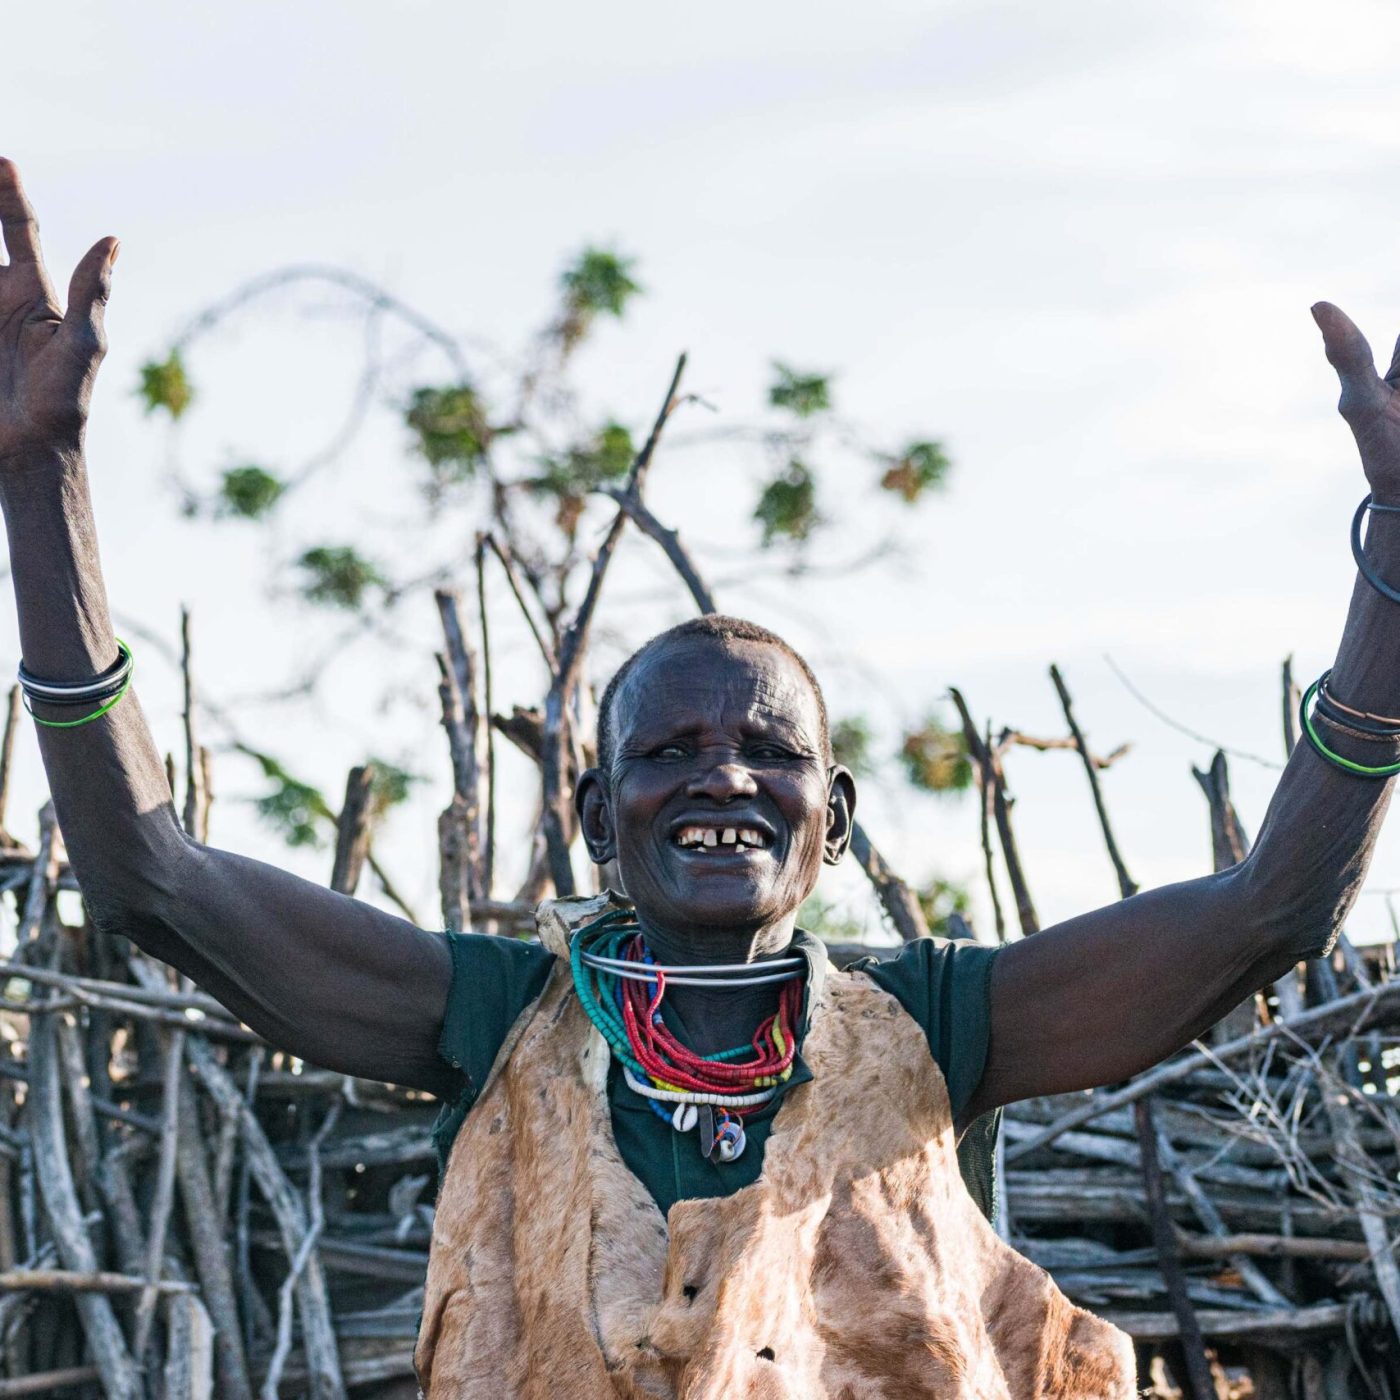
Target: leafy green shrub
{"type": "Point", "coordinates": [935, 758]}
{"type": "Point", "coordinates": [787, 506]}
{"type": "Point", "coordinates": [165, 385]}
{"type": "Point", "coordinates": [801, 393]}
{"type": "Point", "coordinates": [249, 491]}
{"type": "Point", "coordinates": [450, 429]}
{"type": "Point", "coordinates": [922, 466]}
{"type": "Point", "coordinates": [851, 740]}
{"type": "Point", "coordinates": [338, 575]}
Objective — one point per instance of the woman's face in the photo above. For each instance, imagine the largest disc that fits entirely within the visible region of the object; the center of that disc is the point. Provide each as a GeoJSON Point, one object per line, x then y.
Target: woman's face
{"type": "Point", "coordinates": [721, 805]}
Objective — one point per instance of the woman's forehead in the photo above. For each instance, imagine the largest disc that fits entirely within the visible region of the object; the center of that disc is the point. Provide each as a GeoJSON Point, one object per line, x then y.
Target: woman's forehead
{"type": "Point", "coordinates": [698, 680]}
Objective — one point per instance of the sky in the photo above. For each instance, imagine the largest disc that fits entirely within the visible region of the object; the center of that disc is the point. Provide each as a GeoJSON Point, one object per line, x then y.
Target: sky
{"type": "Point", "coordinates": [1076, 243]}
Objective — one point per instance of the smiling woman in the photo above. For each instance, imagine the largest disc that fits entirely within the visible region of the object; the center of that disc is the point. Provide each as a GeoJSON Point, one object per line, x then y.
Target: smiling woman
{"type": "Point", "coordinates": [706, 1183]}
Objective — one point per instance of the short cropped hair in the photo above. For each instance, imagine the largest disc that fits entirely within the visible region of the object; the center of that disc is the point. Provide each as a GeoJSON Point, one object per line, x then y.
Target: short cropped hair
{"type": "Point", "coordinates": [710, 627]}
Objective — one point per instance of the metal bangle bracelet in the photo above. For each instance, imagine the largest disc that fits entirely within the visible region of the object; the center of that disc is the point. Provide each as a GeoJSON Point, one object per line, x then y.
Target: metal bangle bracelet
{"type": "Point", "coordinates": [1359, 552]}
{"type": "Point", "coordinates": [115, 674]}
{"type": "Point", "coordinates": [1324, 692]}
{"type": "Point", "coordinates": [88, 697]}
{"type": "Point", "coordinates": [1363, 729]}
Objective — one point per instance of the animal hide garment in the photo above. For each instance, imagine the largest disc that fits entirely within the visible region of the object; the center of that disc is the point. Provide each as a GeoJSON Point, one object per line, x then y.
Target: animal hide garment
{"type": "Point", "coordinates": [856, 1266]}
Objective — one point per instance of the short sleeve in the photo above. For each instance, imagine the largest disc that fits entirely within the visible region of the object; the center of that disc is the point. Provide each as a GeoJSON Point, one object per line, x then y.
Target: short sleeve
{"type": "Point", "coordinates": [493, 981]}
{"type": "Point", "coordinates": [945, 985]}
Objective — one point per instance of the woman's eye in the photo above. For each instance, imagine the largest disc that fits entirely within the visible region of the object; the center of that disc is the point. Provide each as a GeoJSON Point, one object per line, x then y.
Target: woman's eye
{"type": "Point", "coordinates": [769, 753]}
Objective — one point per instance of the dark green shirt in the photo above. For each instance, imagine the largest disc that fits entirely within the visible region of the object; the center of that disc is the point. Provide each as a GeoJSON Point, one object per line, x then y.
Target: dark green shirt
{"type": "Point", "coordinates": [943, 984]}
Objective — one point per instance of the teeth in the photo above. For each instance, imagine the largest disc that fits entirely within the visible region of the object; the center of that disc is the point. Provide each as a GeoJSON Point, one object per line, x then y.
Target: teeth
{"type": "Point", "coordinates": [709, 838]}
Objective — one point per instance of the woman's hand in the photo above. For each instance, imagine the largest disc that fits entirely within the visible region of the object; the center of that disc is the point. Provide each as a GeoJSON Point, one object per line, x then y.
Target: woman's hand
{"type": "Point", "coordinates": [48, 360]}
{"type": "Point", "coordinates": [1370, 404]}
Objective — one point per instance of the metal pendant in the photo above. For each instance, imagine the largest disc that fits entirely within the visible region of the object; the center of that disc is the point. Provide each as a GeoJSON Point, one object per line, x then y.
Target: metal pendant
{"type": "Point", "coordinates": [707, 1131]}
{"type": "Point", "coordinates": [685, 1117]}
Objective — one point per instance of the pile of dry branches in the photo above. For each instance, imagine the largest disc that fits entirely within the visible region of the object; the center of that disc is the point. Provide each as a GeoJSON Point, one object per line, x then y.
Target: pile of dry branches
{"type": "Point", "coordinates": [185, 1210]}
{"type": "Point", "coordinates": [1233, 1208]}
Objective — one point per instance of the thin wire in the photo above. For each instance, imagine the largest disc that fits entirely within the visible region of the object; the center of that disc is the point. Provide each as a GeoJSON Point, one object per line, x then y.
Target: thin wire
{"type": "Point", "coordinates": [640, 976]}
{"type": "Point", "coordinates": [1181, 728]}
{"type": "Point", "coordinates": [599, 960]}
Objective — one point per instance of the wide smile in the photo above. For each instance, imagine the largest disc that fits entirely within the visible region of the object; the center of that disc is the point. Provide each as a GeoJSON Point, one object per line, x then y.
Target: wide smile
{"type": "Point", "coordinates": [722, 840]}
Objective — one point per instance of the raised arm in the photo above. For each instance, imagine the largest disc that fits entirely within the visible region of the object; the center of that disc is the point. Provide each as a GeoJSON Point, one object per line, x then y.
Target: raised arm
{"type": "Point", "coordinates": [1103, 996]}
{"type": "Point", "coordinates": [320, 974]}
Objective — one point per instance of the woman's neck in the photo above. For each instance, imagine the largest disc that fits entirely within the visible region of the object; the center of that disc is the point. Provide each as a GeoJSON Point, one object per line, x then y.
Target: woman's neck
{"type": "Point", "coordinates": [712, 1019]}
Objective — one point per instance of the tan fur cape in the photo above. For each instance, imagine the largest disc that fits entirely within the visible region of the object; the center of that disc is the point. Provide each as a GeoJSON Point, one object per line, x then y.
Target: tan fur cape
{"type": "Point", "coordinates": [856, 1266]}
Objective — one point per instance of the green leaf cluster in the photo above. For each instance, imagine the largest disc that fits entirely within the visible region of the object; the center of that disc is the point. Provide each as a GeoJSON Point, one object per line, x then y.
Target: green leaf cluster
{"type": "Point", "coordinates": [249, 492]}
{"type": "Point", "coordinates": [294, 809]}
{"type": "Point", "coordinates": [451, 430]}
{"type": "Point", "coordinates": [390, 785]}
{"type": "Point", "coordinates": [165, 385]}
{"type": "Point", "coordinates": [851, 742]}
{"type": "Point", "coordinates": [338, 576]}
{"type": "Point", "coordinates": [801, 393]}
{"type": "Point", "coordinates": [922, 466]}
{"type": "Point", "coordinates": [608, 456]}
{"type": "Point", "coordinates": [787, 505]}
{"type": "Point", "coordinates": [935, 758]}
{"type": "Point", "coordinates": [598, 282]}
{"type": "Point", "coordinates": [829, 922]}
{"type": "Point", "coordinates": [940, 899]}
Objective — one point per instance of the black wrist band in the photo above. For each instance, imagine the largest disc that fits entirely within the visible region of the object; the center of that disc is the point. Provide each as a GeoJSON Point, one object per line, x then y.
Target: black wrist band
{"type": "Point", "coordinates": [1359, 553]}
{"type": "Point", "coordinates": [1362, 728]}
{"type": "Point", "coordinates": [76, 692]}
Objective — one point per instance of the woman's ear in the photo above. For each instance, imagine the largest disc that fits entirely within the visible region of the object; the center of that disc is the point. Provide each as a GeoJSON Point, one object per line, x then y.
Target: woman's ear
{"type": "Point", "coordinates": [593, 803]}
{"type": "Point", "coordinates": [840, 812]}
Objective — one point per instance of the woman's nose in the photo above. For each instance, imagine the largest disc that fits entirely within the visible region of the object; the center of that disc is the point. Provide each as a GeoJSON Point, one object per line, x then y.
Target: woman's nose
{"type": "Point", "coordinates": [723, 782]}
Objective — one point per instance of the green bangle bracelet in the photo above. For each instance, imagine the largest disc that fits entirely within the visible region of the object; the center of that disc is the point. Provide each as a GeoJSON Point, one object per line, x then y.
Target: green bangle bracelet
{"type": "Point", "coordinates": [1361, 770]}
{"type": "Point", "coordinates": [96, 714]}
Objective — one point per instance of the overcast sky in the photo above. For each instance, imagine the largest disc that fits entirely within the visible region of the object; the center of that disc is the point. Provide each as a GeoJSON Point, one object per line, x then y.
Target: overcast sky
{"type": "Point", "coordinates": [1076, 242]}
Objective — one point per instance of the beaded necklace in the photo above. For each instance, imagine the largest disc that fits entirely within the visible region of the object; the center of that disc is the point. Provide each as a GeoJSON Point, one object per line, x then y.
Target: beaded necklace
{"type": "Point", "coordinates": [621, 987]}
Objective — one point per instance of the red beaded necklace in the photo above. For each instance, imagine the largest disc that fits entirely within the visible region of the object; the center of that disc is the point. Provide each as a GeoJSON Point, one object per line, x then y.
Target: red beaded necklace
{"type": "Point", "coordinates": [670, 1064]}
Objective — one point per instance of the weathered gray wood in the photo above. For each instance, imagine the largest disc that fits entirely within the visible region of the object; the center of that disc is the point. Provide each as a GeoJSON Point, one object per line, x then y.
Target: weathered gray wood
{"type": "Point", "coordinates": [352, 830]}
{"type": "Point", "coordinates": [313, 1299]}
{"type": "Point", "coordinates": [1127, 886]}
{"type": "Point", "coordinates": [898, 899]}
{"type": "Point", "coordinates": [164, 1198]}
{"type": "Point", "coordinates": [989, 769]}
{"type": "Point", "coordinates": [1347, 1015]}
{"type": "Point", "coordinates": [556, 804]}
{"type": "Point", "coordinates": [298, 1263]}
{"type": "Point", "coordinates": [60, 1197]}
{"type": "Point", "coordinates": [1278, 1324]}
{"type": "Point", "coordinates": [73, 1281]}
{"type": "Point", "coordinates": [1358, 1170]}
{"type": "Point", "coordinates": [1210, 1218]}
{"type": "Point", "coordinates": [47, 1383]}
{"type": "Point", "coordinates": [189, 1363]}
{"type": "Point", "coordinates": [7, 751]}
{"type": "Point", "coordinates": [1198, 1375]}
{"type": "Point", "coordinates": [205, 1227]}
{"type": "Point", "coordinates": [468, 760]}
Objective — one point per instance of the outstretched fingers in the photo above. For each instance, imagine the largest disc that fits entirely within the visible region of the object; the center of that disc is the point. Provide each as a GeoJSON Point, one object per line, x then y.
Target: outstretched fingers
{"type": "Point", "coordinates": [1392, 375]}
{"type": "Point", "coordinates": [20, 227]}
{"type": "Point", "coordinates": [88, 291]}
{"type": "Point", "coordinates": [1347, 352]}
